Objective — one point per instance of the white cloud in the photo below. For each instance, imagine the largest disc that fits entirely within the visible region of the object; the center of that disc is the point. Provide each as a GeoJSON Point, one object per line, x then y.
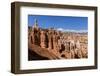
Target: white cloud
{"type": "Point", "coordinates": [60, 29]}
{"type": "Point", "coordinates": [70, 30]}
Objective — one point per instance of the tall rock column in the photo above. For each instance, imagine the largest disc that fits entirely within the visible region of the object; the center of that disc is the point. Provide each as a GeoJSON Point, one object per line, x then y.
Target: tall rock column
{"type": "Point", "coordinates": [55, 42]}
{"type": "Point", "coordinates": [42, 39]}
{"type": "Point", "coordinates": [31, 38]}
{"type": "Point", "coordinates": [50, 41]}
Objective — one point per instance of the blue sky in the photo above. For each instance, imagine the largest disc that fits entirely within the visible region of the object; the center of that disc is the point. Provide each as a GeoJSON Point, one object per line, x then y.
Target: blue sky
{"type": "Point", "coordinates": [59, 22]}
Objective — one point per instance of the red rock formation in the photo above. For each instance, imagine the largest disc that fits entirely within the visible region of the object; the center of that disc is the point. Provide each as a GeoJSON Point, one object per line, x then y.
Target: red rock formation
{"type": "Point", "coordinates": [54, 44]}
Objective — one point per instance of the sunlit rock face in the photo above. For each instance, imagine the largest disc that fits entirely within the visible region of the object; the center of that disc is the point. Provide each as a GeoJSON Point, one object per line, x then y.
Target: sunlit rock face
{"type": "Point", "coordinates": [49, 43]}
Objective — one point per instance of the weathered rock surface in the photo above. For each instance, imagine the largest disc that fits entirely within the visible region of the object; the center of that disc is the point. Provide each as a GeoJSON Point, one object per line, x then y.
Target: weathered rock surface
{"type": "Point", "coordinates": [43, 52]}
{"type": "Point", "coordinates": [53, 44]}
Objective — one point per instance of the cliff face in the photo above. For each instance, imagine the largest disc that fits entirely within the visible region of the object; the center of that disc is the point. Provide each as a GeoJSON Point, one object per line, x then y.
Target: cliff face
{"type": "Point", "coordinates": [41, 53]}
